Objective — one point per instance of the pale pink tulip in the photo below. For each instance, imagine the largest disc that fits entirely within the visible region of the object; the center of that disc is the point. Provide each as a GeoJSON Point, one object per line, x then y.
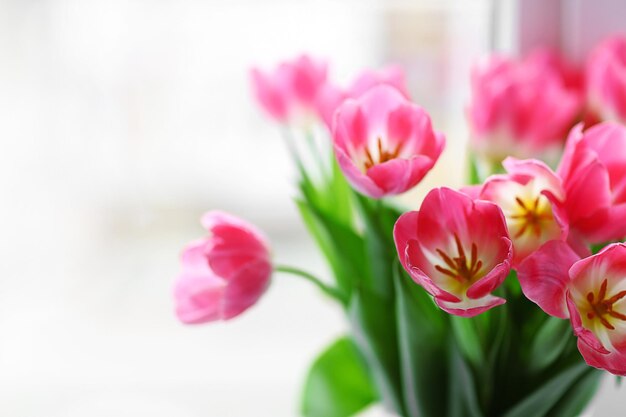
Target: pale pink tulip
{"type": "Point", "coordinates": [331, 96]}
{"type": "Point", "coordinates": [531, 197]}
{"type": "Point", "coordinates": [289, 93]}
{"type": "Point", "coordinates": [384, 143]}
{"type": "Point", "coordinates": [457, 248]}
{"type": "Point", "coordinates": [223, 274]}
{"type": "Point", "coordinates": [590, 292]}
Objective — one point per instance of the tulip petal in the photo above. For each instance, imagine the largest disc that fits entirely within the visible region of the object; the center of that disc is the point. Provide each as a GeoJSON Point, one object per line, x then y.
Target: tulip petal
{"type": "Point", "coordinates": [583, 334]}
{"type": "Point", "coordinates": [404, 231]}
{"type": "Point", "coordinates": [444, 213]}
{"type": "Point", "coordinates": [236, 243]}
{"type": "Point", "coordinates": [534, 169]}
{"type": "Point", "coordinates": [410, 255]}
{"type": "Point", "coordinates": [416, 261]}
{"type": "Point", "coordinates": [614, 362]}
{"type": "Point", "coordinates": [544, 277]}
{"type": "Point", "coordinates": [588, 189]}
{"type": "Point", "coordinates": [350, 127]}
{"type": "Point", "coordinates": [271, 99]}
{"type": "Point", "coordinates": [397, 175]}
{"type": "Point", "coordinates": [605, 81]}
{"type": "Point", "coordinates": [327, 102]}
{"type": "Point", "coordinates": [193, 258]}
{"type": "Point", "coordinates": [198, 299]}
{"type": "Point", "coordinates": [291, 89]}
{"type": "Point", "coordinates": [361, 182]}
{"type": "Point", "coordinates": [377, 104]}
{"type": "Point", "coordinates": [392, 75]}
{"type": "Point", "coordinates": [494, 278]}
{"type": "Point", "coordinates": [472, 191]}
{"type": "Point", "coordinates": [245, 288]}
{"type": "Point", "coordinates": [470, 307]}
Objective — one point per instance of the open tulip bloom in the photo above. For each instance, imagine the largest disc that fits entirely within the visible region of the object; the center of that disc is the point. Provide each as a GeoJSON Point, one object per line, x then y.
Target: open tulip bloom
{"type": "Point", "coordinates": [457, 249]}
{"type": "Point", "coordinates": [506, 297]}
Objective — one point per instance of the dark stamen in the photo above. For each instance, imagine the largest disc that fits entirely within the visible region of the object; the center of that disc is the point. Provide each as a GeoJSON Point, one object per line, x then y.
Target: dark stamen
{"type": "Point", "coordinates": [458, 267]}
{"type": "Point", "coordinates": [531, 217]}
{"type": "Point", "coordinates": [383, 154]}
{"type": "Point", "coordinates": [602, 307]}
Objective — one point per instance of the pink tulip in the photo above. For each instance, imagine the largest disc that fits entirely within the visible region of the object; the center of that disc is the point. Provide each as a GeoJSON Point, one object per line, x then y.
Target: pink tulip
{"type": "Point", "coordinates": [572, 76]}
{"type": "Point", "coordinates": [384, 143]}
{"type": "Point", "coordinates": [593, 170]}
{"type": "Point", "coordinates": [520, 109]}
{"type": "Point", "coordinates": [530, 196]}
{"type": "Point", "coordinates": [223, 274]}
{"type": "Point", "coordinates": [606, 79]}
{"type": "Point", "coordinates": [289, 93]}
{"type": "Point", "coordinates": [590, 292]}
{"type": "Point", "coordinates": [331, 96]}
{"type": "Point", "coordinates": [456, 248]}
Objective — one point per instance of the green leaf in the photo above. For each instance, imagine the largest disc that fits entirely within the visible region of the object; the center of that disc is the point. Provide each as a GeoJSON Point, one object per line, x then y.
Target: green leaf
{"type": "Point", "coordinates": [462, 392]}
{"type": "Point", "coordinates": [342, 247]}
{"type": "Point", "coordinates": [338, 384]}
{"type": "Point", "coordinates": [468, 340]}
{"type": "Point", "coordinates": [423, 348]}
{"type": "Point", "coordinates": [378, 221]}
{"type": "Point", "coordinates": [339, 196]}
{"type": "Point", "coordinates": [550, 341]}
{"type": "Point", "coordinates": [308, 190]}
{"type": "Point", "coordinates": [599, 246]}
{"type": "Point", "coordinates": [372, 319]}
{"type": "Point", "coordinates": [473, 175]}
{"type": "Point", "coordinates": [546, 396]}
{"type": "Point", "coordinates": [577, 398]}
{"type": "Point", "coordinates": [331, 194]}
{"type": "Point", "coordinates": [512, 285]}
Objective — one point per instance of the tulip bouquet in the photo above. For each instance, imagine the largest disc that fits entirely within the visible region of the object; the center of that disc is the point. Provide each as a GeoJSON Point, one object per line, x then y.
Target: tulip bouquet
{"type": "Point", "coordinates": [506, 297]}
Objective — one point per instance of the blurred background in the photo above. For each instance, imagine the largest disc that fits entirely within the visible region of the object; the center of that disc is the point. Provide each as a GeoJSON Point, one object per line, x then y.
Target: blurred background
{"type": "Point", "coordinates": [122, 121]}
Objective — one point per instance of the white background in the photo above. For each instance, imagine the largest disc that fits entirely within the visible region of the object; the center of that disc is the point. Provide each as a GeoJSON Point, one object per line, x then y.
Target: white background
{"type": "Point", "coordinates": [120, 123]}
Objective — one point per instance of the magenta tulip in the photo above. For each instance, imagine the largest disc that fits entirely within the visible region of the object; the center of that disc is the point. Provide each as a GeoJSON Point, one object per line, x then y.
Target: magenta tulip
{"type": "Point", "coordinates": [520, 108]}
{"type": "Point", "coordinates": [606, 79]}
{"type": "Point", "coordinates": [223, 274]}
{"type": "Point", "coordinates": [384, 143]}
{"type": "Point", "coordinates": [593, 170]}
{"type": "Point", "coordinates": [590, 292]}
{"type": "Point", "coordinates": [457, 248]}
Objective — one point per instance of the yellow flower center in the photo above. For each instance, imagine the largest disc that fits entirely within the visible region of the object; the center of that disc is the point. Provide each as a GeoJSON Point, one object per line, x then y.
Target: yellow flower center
{"type": "Point", "coordinates": [460, 267]}
{"type": "Point", "coordinates": [601, 308]}
{"type": "Point", "coordinates": [531, 215]}
{"type": "Point", "coordinates": [384, 154]}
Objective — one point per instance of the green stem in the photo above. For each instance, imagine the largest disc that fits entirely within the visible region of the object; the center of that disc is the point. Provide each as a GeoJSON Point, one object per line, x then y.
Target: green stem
{"type": "Point", "coordinates": [328, 290]}
{"type": "Point", "coordinates": [317, 155]}
{"type": "Point", "coordinates": [291, 148]}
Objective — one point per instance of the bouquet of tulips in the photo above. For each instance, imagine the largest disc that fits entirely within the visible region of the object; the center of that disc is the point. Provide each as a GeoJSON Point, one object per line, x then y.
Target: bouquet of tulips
{"type": "Point", "coordinates": [504, 298]}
